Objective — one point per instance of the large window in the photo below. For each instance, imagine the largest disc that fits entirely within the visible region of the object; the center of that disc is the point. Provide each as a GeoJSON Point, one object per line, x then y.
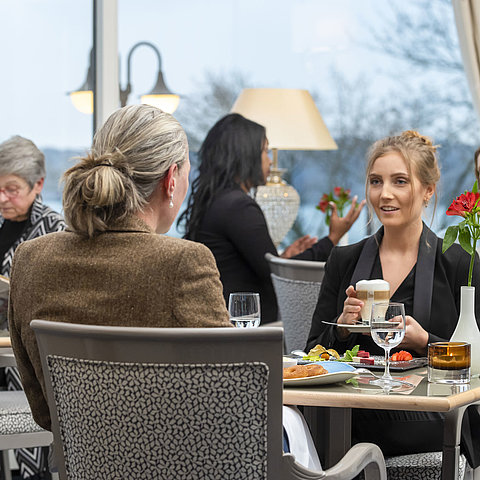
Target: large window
{"type": "Point", "coordinates": [45, 46]}
{"type": "Point", "coordinates": [375, 68]}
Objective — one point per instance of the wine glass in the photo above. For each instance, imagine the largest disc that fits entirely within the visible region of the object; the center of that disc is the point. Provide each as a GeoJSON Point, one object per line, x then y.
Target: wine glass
{"type": "Point", "coordinates": [244, 309]}
{"type": "Point", "coordinates": [387, 327]}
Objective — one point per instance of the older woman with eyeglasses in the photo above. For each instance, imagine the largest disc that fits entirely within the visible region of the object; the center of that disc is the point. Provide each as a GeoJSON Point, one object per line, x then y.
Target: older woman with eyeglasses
{"type": "Point", "coordinates": [23, 216]}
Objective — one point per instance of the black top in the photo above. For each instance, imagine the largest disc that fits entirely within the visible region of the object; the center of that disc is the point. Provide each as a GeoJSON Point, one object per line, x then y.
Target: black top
{"type": "Point", "coordinates": [434, 288]}
{"type": "Point", "coordinates": [235, 230]}
{"type": "Point", "coordinates": [9, 232]}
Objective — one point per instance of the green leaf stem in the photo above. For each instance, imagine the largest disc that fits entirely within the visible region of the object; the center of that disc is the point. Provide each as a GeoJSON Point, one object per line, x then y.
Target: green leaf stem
{"type": "Point", "coordinates": [450, 237]}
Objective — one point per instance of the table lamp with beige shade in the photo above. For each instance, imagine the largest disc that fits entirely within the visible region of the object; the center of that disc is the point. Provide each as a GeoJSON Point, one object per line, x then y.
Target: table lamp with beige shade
{"type": "Point", "coordinates": [293, 122]}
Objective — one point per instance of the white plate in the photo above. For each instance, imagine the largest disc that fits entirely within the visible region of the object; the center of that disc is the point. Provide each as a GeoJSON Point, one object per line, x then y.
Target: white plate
{"type": "Point", "coordinates": [351, 328]}
{"type": "Point", "coordinates": [319, 379]}
{"type": "Point", "coordinates": [337, 372]}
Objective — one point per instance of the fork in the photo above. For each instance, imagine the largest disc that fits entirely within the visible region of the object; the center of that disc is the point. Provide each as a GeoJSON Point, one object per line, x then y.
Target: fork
{"type": "Point", "coordinates": [365, 370]}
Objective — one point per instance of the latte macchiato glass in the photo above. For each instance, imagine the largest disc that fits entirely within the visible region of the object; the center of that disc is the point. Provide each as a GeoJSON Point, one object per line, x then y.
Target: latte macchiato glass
{"type": "Point", "coordinates": [369, 291]}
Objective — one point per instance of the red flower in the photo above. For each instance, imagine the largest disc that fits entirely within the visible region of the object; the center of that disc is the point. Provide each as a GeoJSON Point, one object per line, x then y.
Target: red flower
{"type": "Point", "coordinates": [323, 205]}
{"type": "Point", "coordinates": [463, 204]}
{"type": "Point", "coordinates": [338, 191]}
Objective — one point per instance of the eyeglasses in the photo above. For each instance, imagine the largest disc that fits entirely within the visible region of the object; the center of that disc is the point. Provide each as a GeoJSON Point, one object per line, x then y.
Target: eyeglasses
{"type": "Point", "coordinates": [11, 191]}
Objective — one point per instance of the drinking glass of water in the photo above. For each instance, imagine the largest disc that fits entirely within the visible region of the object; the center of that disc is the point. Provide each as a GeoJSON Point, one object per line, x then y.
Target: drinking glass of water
{"type": "Point", "coordinates": [244, 309]}
{"type": "Point", "coordinates": [387, 327]}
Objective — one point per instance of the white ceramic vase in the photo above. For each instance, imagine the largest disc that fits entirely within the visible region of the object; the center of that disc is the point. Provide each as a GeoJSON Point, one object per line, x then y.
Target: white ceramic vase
{"type": "Point", "coordinates": [467, 328]}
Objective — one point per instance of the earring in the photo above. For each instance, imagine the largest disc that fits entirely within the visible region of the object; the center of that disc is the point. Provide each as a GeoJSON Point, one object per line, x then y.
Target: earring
{"type": "Point", "coordinates": [425, 203]}
{"type": "Point", "coordinates": [170, 204]}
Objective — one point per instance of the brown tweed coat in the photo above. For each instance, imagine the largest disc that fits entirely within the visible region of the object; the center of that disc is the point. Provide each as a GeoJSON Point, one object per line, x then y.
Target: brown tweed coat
{"type": "Point", "coordinates": [128, 276]}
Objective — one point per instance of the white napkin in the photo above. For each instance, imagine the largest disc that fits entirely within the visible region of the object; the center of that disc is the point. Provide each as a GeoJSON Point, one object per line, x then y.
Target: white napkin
{"type": "Point", "coordinates": [299, 438]}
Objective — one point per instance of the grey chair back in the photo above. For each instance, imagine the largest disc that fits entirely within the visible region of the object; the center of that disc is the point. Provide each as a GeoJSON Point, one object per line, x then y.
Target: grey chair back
{"type": "Point", "coordinates": [296, 269]}
{"type": "Point", "coordinates": [167, 403]}
{"type": "Point", "coordinates": [296, 301]}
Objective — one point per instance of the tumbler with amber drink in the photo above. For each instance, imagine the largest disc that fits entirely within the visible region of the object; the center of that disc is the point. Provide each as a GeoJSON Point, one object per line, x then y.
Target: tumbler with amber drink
{"type": "Point", "coordinates": [449, 362]}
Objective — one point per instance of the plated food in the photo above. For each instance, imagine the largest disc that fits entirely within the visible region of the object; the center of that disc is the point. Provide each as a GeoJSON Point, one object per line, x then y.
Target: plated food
{"type": "Point", "coordinates": [323, 353]}
{"type": "Point", "coordinates": [400, 361]}
{"type": "Point", "coordinates": [303, 371]}
{"type": "Point", "coordinates": [401, 356]}
{"type": "Point", "coordinates": [334, 372]}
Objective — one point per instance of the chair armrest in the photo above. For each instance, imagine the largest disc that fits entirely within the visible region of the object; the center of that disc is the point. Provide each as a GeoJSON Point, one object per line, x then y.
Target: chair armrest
{"type": "Point", "coordinates": [363, 456]}
{"type": "Point", "coordinates": [293, 470]}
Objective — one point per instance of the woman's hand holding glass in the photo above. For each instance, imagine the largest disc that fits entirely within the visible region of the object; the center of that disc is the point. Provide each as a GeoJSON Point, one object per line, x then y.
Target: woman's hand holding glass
{"type": "Point", "coordinates": [351, 308]}
{"type": "Point", "coordinates": [351, 311]}
{"type": "Point", "coordinates": [416, 337]}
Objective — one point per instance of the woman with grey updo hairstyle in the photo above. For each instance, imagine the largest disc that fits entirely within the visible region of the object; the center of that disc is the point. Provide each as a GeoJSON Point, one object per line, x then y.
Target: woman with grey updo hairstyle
{"type": "Point", "coordinates": [111, 267]}
{"type": "Point", "coordinates": [131, 153]}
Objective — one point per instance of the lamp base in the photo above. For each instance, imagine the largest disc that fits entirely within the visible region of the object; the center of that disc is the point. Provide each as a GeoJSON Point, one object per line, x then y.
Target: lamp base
{"type": "Point", "coordinates": [279, 203]}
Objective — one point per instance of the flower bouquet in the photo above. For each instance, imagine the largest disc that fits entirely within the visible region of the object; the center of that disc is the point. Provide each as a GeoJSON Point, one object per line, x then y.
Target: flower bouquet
{"type": "Point", "coordinates": [468, 230]}
{"type": "Point", "coordinates": [340, 197]}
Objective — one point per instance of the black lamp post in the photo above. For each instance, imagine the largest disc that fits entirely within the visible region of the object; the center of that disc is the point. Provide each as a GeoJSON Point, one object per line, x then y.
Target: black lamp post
{"type": "Point", "coordinates": [160, 96]}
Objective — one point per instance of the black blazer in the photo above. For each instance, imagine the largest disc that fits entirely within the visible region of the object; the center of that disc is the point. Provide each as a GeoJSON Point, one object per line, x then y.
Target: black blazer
{"type": "Point", "coordinates": [235, 230]}
{"type": "Point", "coordinates": [436, 296]}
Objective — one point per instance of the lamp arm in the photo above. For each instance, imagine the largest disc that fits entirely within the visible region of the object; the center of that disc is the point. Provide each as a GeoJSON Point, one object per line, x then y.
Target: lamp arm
{"type": "Point", "coordinates": [124, 93]}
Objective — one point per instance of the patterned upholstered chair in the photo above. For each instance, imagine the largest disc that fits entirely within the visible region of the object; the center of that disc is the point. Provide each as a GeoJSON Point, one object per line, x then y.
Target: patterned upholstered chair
{"type": "Point", "coordinates": [297, 285]}
{"type": "Point", "coordinates": [165, 403]}
{"type": "Point", "coordinates": [17, 428]}
{"type": "Point", "coordinates": [296, 301]}
{"type": "Point", "coordinates": [421, 466]}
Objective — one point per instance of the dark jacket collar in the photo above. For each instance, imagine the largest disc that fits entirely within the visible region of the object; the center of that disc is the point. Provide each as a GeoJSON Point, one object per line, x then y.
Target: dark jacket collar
{"type": "Point", "coordinates": [424, 271]}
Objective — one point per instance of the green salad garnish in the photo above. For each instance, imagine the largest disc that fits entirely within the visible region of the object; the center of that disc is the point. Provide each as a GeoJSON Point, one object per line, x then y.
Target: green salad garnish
{"type": "Point", "coordinates": [349, 354]}
{"type": "Point", "coordinates": [313, 358]}
{"type": "Point", "coordinates": [347, 357]}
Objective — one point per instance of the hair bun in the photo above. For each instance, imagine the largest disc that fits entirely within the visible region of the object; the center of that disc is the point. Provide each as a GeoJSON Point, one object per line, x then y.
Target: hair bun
{"type": "Point", "coordinates": [411, 134]}
{"type": "Point", "coordinates": [114, 159]}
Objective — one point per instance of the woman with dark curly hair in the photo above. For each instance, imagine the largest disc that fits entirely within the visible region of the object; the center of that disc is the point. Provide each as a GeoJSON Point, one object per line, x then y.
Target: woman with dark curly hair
{"type": "Point", "coordinates": [222, 215]}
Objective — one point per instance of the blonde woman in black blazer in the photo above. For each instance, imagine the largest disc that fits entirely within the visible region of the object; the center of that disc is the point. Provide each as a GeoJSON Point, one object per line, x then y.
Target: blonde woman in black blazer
{"type": "Point", "coordinates": [402, 174]}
